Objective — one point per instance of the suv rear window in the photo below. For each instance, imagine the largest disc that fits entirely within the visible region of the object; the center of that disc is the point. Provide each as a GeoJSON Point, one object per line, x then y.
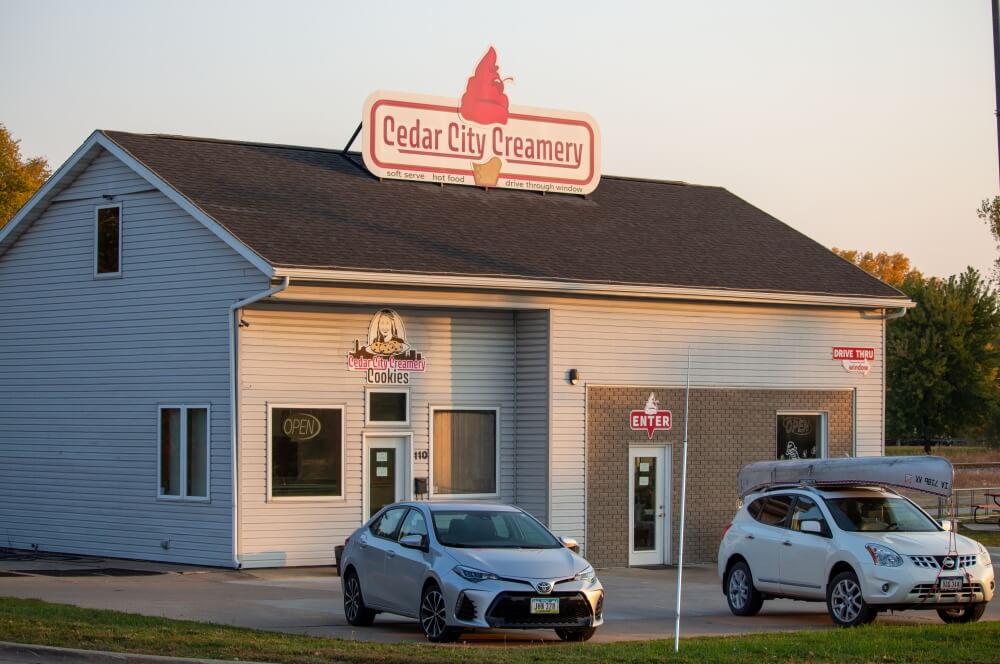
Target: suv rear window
{"type": "Point", "coordinates": [770, 510]}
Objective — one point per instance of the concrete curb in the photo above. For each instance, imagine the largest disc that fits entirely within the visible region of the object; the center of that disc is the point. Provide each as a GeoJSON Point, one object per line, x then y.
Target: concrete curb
{"type": "Point", "coordinates": [32, 653]}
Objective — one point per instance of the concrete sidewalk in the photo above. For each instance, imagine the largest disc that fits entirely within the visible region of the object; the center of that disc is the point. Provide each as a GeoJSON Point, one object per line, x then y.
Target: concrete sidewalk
{"type": "Point", "coordinates": [639, 605]}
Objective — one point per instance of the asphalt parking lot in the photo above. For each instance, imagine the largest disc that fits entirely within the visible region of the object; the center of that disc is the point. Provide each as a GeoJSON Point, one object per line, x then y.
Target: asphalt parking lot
{"type": "Point", "coordinates": [639, 605]}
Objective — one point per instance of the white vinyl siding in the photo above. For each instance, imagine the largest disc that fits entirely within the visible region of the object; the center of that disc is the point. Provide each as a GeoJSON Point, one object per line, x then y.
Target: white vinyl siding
{"type": "Point", "coordinates": [633, 342]}
{"type": "Point", "coordinates": [300, 356]}
{"type": "Point", "coordinates": [85, 363]}
{"type": "Point", "coordinates": [532, 412]}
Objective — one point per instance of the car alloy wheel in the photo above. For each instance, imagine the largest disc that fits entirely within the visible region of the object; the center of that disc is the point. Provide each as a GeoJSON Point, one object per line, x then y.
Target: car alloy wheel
{"type": "Point", "coordinates": [355, 611]}
{"type": "Point", "coordinates": [846, 603]}
{"type": "Point", "coordinates": [846, 600]}
{"type": "Point", "coordinates": [739, 588]}
{"type": "Point", "coordinates": [742, 597]}
{"type": "Point", "coordinates": [433, 617]}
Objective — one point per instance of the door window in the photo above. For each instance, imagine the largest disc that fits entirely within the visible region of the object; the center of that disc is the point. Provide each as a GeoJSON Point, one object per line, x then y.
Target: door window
{"type": "Point", "coordinates": [806, 509]}
{"type": "Point", "coordinates": [388, 523]}
{"type": "Point", "coordinates": [771, 510]}
{"type": "Point", "coordinates": [644, 504]}
{"type": "Point", "coordinates": [413, 524]}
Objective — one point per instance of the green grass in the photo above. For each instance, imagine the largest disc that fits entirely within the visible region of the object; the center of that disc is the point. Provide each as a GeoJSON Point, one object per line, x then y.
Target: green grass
{"type": "Point", "coordinates": [955, 453]}
{"type": "Point", "coordinates": [984, 537]}
{"type": "Point", "coordinates": [33, 621]}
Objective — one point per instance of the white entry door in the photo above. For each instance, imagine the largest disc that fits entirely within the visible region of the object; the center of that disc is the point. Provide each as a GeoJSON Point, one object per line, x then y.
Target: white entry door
{"type": "Point", "coordinates": [649, 493]}
{"type": "Point", "coordinates": [387, 471]}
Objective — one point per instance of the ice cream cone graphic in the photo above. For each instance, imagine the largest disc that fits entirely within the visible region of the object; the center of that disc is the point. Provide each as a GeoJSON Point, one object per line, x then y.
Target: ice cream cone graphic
{"type": "Point", "coordinates": [488, 172]}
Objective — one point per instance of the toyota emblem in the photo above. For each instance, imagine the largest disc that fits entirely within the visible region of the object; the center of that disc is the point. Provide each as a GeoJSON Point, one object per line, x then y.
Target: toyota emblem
{"type": "Point", "coordinates": [948, 562]}
{"type": "Point", "coordinates": [543, 587]}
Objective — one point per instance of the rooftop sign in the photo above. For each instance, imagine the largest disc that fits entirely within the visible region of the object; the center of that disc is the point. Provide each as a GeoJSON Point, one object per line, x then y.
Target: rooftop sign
{"type": "Point", "coordinates": [480, 140]}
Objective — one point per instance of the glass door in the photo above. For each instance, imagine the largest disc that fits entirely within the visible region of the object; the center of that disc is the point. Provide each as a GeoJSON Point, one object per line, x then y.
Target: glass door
{"type": "Point", "coordinates": [649, 527]}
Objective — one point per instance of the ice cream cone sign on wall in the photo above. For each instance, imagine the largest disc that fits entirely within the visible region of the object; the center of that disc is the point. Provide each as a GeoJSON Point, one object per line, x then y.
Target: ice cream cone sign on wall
{"type": "Point", "coordinates": [480, 139]}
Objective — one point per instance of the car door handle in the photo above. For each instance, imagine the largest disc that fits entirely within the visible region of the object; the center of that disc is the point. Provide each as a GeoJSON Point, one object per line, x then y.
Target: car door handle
{"type": "Point", "coordinates": [390, 554]}
{"type": "Point", "coordinates": [750, 537]}
{"type": "Point", "coordinates": [787, 543]}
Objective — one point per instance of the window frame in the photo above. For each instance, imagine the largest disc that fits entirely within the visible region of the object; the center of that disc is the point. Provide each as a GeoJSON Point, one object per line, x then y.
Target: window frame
{"type": "Point", "coordinates": [823, 433]}
{"type": "Point", "coordinates": [391, 390]}
{"type": "Point", "coordinates": [270, 498]}
{"type": "Point", "coordinates": [97, 240]}
{"type": "Point", "coordinates": [182, 497]}
{"type": "Point", "coordinates": [430, 470]}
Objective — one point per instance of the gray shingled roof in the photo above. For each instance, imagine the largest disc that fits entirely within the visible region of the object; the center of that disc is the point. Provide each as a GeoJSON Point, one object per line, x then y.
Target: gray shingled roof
{"type": "Point", "coordinates": [308, 207]}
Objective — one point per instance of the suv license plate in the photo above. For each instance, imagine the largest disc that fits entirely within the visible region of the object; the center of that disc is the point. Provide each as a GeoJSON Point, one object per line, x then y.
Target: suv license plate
{"type": "Point", "coordinates": [545, 605]}
{"type": "Point", "coordinates": [951, 582]}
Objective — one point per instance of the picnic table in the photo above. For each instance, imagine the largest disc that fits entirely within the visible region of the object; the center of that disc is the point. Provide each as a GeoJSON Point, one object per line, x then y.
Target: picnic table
{"type": "Point", "coordinates": [991, 510]}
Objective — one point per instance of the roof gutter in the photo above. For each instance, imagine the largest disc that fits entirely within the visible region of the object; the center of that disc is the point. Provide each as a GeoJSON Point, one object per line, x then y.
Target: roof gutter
{"type": "Point", "coordinates": [234, 311]}
{"type": "Point", "coordinates": [593, 289]}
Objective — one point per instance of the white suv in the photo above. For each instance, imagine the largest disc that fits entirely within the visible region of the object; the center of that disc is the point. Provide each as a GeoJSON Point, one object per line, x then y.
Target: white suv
{"type": "Point", "coordinates": [861, 550]}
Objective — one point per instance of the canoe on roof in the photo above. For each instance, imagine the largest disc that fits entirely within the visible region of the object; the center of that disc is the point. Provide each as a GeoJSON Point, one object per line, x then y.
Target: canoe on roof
{"type": "Point", "coordinates": [929, 474]}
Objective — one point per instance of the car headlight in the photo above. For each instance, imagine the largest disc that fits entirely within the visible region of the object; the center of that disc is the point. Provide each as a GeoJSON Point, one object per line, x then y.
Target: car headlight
{"type": "Point", "coordinates": [587, 576]}
{"type": "Point", "coordinates": [984, 556]}
{"type": "Point", "coordinates": [474, 575]}
{"type": "Point", "coordinates": [884, 556]}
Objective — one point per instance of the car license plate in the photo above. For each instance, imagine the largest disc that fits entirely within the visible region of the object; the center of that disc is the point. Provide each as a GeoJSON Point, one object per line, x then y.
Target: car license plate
{"type": "Point", "coordinates": [951, 582]}
{"type": "Point", "coordinates": [545, 605]}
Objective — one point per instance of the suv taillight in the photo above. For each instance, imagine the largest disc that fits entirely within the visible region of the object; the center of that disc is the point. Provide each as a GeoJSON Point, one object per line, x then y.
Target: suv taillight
{"type": "Point", "coordinates": [726, 529]}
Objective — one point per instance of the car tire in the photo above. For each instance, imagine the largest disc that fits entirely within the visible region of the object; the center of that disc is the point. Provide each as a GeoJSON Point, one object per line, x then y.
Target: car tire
{"type": "Point", "coordinates": [845, 602]}
{"type": "Point", "coordinates": [742, 597]}
{"type": "Point", "coordinates": [575, 633]}
{"type": "Point", "coordinates": [434, 616]}
{"type": "Point", "coordinates": [355, 611]}
{"type": "Point", "coordinates": [969, 614]}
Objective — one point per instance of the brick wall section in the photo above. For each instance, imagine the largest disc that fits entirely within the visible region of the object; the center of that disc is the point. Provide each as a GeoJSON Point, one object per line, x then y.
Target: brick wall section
{"type": "Point", "coordinates": [728, 429]}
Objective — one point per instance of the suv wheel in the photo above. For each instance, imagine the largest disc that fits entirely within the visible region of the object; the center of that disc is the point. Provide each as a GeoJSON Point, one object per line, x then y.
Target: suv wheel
{"type": "Point", "coordinates": [575, 633]}
{"type": "Point", "coordinates": [969, 614]}
{"type": "Point", "coordinates": [845, 603]}
{"type": "Point", "coordinates": [355, 611]}
{"type": "Point", "coordinates": [434, 617]}
{"type": "Point", "coordinates": [743, 598]}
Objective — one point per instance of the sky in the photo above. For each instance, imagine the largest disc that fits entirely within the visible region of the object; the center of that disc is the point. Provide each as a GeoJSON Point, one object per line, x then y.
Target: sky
{"type": "Point", "coordinates": [865, 124]}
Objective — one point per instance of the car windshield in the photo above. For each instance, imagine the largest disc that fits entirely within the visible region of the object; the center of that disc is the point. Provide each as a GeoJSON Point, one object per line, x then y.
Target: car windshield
{"type": "Point", "coordinates": [879, 514]}
{"type": "Point", "coordinates": [486, 529]}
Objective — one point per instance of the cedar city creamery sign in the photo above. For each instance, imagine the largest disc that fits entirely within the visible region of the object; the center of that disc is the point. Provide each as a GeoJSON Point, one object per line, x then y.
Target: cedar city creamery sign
{"type": "Point", "coordinates": [480, 140]}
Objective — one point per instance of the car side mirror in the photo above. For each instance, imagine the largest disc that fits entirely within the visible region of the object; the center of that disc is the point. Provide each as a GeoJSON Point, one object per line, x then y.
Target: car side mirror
{"type": "Point", "coordinates": [811, 526]}
{"type": "Point", "coordinates": [414, 542]}
{"type": "Point", "coordinates": [570, 544]}
{"type": "Point", "coordinates": [948, 525]}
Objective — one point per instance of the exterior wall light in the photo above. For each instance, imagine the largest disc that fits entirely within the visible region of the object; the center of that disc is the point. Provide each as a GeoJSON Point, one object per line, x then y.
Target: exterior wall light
{"type": "Point", "coordinates": [574, 376]}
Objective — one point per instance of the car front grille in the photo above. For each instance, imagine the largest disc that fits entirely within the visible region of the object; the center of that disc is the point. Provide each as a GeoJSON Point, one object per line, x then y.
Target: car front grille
{"type": "Point", "coordinates": [465, 609]}
{"type": "Point", "coordinates": [937, 562]}
{"type": "Point", "coordinates": [928, 590]}
{"type": "Point", "coordinates": [513, 609]}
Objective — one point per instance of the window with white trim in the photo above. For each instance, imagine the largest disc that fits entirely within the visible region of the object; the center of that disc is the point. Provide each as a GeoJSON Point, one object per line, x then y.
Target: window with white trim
{"type": "Point", "coordinates": [108, 241]}
{"type": "Point", "coordinates": [801, 436]}
{"type": "Point", "coordinates": [465, 452]}
{"type": "Point", "coordinates": [184, 452]}
{"type": "Point", "coordinates": [387, 407]}
{"type": "Point", "coordinates": [307, 452]}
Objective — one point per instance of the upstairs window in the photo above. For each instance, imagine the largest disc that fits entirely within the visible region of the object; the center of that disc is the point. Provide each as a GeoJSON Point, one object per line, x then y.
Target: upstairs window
{"type": "Point", "coordinates": [108, 241]}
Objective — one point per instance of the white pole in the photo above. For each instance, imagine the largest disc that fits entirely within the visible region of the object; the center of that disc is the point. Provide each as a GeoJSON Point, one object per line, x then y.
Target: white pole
{"type": "Point", "coordinates": [684, 472]}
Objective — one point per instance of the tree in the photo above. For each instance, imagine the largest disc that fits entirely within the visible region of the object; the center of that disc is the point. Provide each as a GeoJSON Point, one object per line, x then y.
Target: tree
{"type": "Point", "coordinates": [989, 212]}
{"type": "Point", "coordinates": [943, 359]}
{"type": "Point", "coordinates": [19, 179]}
{"type": "Point", "coordinates": [893, 269]}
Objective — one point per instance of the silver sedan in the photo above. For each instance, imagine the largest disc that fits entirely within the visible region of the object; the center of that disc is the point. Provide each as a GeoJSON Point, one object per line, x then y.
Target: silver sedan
{"type": "Point", "coordinates": [457, 566]}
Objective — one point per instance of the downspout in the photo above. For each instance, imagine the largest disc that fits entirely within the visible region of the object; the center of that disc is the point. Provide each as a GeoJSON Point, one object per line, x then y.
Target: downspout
{"type": "Point", "coordinates": [887, 316]}
{"type": "Point", "coordinates": [234, 311]}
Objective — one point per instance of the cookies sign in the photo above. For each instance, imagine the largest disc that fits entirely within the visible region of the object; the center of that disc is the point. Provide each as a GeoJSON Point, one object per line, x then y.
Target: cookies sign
{"type": "Point", "coordinates": [479, 139]}
{"type": "Point", "coordinates": [387, 358]}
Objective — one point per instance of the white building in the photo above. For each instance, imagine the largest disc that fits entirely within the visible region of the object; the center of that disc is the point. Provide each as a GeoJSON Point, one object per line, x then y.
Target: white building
{"type": "Point", "coordinates": [362, 340]}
